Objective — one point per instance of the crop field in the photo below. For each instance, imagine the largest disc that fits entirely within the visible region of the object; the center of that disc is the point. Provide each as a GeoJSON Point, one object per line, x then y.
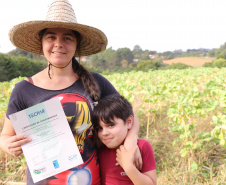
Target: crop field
{"type": "Point", "coordinates": [182, 113]}
{"type": "Point", "coordinates": [192, 61]}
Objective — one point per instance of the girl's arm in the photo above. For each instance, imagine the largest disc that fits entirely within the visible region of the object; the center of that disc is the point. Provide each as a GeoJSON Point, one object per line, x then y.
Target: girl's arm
{"type": "Point", "coordinates": [10, 142]}
{"type": "Point", "coordinates": [125, 159]}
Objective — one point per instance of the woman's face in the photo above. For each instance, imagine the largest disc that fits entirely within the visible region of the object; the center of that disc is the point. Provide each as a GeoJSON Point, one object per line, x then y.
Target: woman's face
{"type": "Point", "coordinates": [59, 46]}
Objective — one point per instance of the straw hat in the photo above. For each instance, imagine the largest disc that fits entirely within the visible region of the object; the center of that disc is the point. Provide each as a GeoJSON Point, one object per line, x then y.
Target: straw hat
{"type": "Point", "coordinates": [60, 15]}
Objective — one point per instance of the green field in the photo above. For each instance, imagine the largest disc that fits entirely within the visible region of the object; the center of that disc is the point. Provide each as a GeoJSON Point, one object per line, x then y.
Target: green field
{"type": "Point", "coordinates": [181, 112]}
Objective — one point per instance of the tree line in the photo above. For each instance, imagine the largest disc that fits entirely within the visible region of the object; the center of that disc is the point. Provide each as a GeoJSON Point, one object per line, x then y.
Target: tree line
{"type": "Point", "coordinates": [12, 67]}
{"type": "Point", "coordinates": [21, 63]}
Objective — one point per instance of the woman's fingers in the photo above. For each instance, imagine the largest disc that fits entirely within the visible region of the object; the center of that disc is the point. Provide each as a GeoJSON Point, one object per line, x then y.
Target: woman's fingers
{"type": "Point", "coordinates": [14, 144]}
{"type": "Point", "coordinates": [138, 159]}
{"type": "Point", "coordinates": [15, 151]}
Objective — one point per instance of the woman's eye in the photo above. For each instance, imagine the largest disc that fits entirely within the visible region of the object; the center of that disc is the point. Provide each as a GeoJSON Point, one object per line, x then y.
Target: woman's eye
{"type": "Point", "coordinates": [51, 37]}
{"type": "Point", "coordinates": [67, 38]}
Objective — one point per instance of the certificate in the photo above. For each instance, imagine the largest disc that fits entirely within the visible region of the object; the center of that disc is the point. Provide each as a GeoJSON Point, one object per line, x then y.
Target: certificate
{"type": "Point", "coordinates": [53, 148]}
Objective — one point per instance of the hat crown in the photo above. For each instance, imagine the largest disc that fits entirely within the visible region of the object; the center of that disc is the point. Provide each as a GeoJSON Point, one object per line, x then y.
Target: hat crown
{"type": "Point", "coordinates": [62, 11]}
{"type": "Point", "coordinates": [59, 15]}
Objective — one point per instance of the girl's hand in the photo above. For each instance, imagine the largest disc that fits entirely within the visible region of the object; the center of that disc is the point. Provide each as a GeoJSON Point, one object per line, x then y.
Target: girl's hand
{"type": "Point", "coordinates": [124, 158]}
{"type": "Point", "coordinates": [14, 144]}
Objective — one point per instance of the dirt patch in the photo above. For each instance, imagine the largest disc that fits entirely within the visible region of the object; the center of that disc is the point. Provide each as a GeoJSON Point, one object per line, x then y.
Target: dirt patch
{"type": "Point", "coordinates": [192, 61]}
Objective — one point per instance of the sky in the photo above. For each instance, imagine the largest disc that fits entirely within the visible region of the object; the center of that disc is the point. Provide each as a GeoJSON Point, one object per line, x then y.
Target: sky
{"type": "Point", "coordinates": [156, 25]}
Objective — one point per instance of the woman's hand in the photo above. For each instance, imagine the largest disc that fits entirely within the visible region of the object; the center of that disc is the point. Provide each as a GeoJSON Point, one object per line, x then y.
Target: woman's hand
{"type": "Point", "coordinates": [14, 143]}
{"type": "Point", "coordinates": [138, 162]}
{"type": "Point", "coordinates": [10, 142]}
{"type": "Point", "coordinates": [125, 158]}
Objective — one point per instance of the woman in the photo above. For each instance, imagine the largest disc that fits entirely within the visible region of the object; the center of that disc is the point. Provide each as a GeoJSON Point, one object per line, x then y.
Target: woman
{"type": "Point", "coordinates": [60, 39]}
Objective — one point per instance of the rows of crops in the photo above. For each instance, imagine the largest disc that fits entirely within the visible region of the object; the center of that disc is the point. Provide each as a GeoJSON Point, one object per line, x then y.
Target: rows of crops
{"type": "Point", "coordinates": [187, 95]}
{"type": "Point", "coordinates": [191, 104]}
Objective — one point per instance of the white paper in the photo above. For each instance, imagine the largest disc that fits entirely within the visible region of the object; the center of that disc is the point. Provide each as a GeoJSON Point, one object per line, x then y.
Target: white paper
{"type": "Point", "coordinates": [53, 148]}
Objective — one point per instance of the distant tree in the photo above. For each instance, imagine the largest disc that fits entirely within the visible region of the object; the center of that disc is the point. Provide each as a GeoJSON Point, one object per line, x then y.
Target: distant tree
{"type": "Point", "coordinates": [220, 51]}
{"type": "Point", "coordinates": [221, 56]}
{"type": "Point", "coordinates": [213, 53]}
{"type": "Point", "coordinates": [178, 53]}
{"type": "Point", "coordinates": [220, 62]}
{"type": "Point", "coordinates": [146, 65]}
{"type": "Point", "coordinates": [137, 50]}
{"type": "Point", "coordinates": [111, 58]}
{"type": "Point", "coordinates": [105, 60]}
{"type": "Point", "coordinates": [167, 55]}
{"type": "Point", "coordinates": [124, 54]}
{"type": "Point", "coordinates": [132, 65]}
{"type": "Point", "coordinates": [19, 52]}
{"type": "Point", "coordinates": [145, 55]}
{"type": "Point", "coordinates": [8, 68]}
{"type": "Point", "coordinates": [28, 67]}
{"type": "Point", "coordinates": [124, 63]}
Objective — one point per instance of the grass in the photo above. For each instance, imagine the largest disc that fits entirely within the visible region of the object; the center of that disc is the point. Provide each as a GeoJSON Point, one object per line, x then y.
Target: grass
{"type": "Point", "coordinates": [174, 169]}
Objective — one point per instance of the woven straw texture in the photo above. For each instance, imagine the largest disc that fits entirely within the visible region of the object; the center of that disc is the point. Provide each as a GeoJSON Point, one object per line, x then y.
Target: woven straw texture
{"type": "Point", "coordinates": [60, 15]}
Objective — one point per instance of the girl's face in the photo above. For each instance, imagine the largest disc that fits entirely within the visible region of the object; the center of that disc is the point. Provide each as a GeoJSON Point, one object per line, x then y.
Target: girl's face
{"type": "Point", "coordinates": [113, 134]}
{"type": "Point", "coordinates": [59, 46]}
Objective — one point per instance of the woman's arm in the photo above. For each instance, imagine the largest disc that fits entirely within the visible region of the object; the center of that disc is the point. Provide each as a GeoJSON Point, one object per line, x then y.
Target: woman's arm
{"type": "Point", "coordinates": [132, 136]}
{"type": "Point", "coordinates": [10, 142]}
{"type": "Point", "coordinates": [131, 141]}
{"type": "Point", "coordinates": [125, 159]}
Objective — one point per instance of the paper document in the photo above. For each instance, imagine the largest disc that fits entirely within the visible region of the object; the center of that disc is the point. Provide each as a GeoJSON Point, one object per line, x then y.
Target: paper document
{"type": "Point", "coordinates": [53, 148]}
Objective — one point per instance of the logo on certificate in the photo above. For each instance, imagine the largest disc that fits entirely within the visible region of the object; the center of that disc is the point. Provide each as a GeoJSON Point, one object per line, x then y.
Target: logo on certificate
{"type": "Point", "coordinates": [56, 164]}
{"type": "Point", "coordinates": [40, 170]}
{"type": "Point", "coordinates": [72, 157]}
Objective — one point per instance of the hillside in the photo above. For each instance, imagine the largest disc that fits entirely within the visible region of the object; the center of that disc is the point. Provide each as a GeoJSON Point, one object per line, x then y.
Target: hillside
{"type": "Point", "coordinates": [192, 61]}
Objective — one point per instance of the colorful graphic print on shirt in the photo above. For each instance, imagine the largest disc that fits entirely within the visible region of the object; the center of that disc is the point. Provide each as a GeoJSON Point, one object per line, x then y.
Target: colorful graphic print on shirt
{"type": "Point", "coordinates": [79, 111]}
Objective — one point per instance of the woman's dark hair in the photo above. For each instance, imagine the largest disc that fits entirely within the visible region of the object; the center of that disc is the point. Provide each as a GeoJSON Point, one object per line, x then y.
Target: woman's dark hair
{"type": "Point", "coordinates": [107, 109]}
{"type": "Point", "coordinates": [86, 77]}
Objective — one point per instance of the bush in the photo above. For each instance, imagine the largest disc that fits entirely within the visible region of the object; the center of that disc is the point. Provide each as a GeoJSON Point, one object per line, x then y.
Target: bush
{"type": "Point", "coordinates": [29, 67]}
{"type": "Point", "coordinates": [221, 56]}
{"type": "Point", "coordinates": [146, 65]}
{"type": "Point", "coordinates": [9, 69]}
{"type": "Point", "coordinates": [12, 67]}
{"type": "Point", "coordinates": [208, 64]}
{"type": "Point", "coordinates": [219, 62]}
{"type": "Point", "coordinates": [177, 66]}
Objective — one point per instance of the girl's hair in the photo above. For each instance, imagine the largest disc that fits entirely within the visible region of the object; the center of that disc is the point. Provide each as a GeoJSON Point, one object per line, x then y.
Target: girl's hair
{"type": "Point", "coordinates": [107, 109]}
{"type": "Point", "coordinates": [86, 77]}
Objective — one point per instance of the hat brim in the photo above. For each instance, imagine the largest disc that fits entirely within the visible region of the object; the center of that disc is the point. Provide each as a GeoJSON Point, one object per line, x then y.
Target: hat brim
{"type": "Point", "coordinates": [26, 36]}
